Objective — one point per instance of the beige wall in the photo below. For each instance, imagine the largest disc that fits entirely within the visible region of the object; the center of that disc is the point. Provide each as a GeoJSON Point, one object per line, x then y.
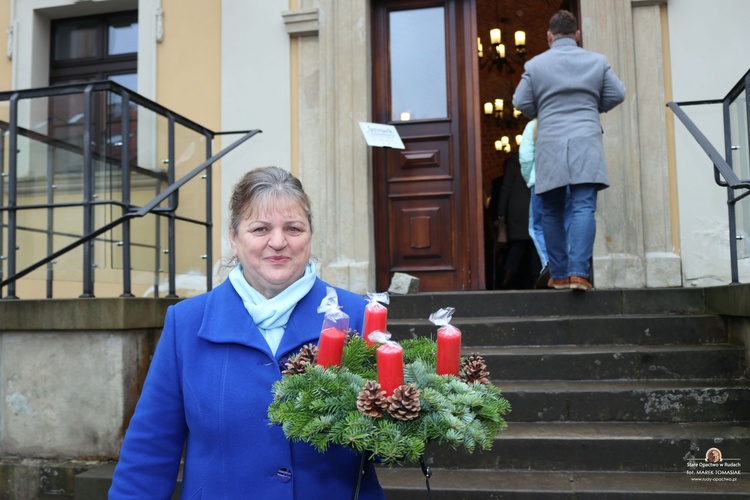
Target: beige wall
{"type": "Point", "coordinates": [189, 60]}
{"type": "Point", "coordinates": [188, 79]}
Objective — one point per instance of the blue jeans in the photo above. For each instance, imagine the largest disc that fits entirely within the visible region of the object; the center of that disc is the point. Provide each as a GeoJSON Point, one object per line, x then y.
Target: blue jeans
{"type": "Point", "coordinates": [570, 251]}
{"type": "Point", "coordinates": [536, 230]}
{"type": "Point", "coordinates": [535, 227]}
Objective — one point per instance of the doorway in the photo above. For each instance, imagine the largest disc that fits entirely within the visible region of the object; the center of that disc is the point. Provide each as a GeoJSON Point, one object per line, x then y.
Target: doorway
{"type": "Point", "coordinates": [512, 263]}
{"type": "Point", "coordinates": [427, 197]}
{"type": "Point", "coordinates": [433, 218]}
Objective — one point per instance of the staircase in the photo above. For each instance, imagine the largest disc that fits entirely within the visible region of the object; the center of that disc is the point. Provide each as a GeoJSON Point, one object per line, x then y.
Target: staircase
{"type": "Point", "coordinates": [614, 394]}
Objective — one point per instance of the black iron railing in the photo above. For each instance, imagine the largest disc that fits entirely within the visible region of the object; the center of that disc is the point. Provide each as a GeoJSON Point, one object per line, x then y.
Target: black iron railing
{"type": "Point", "coordinates": [736, 114]}
{"type": "Point", "coordinates": [77, 164]}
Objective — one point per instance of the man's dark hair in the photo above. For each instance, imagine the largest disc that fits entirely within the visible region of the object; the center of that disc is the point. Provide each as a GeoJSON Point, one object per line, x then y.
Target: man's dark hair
{"type": "Point", "coordinates": [563, 23]}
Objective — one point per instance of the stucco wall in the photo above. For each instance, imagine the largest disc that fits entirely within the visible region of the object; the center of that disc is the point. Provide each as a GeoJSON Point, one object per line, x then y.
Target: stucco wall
{"type": "Point", "coordinates": [255, 93]}
{"type": "Point", "coordinates": [708, 56]}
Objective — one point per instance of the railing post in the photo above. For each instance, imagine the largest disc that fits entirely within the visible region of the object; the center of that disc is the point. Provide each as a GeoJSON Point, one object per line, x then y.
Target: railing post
{"type": "Point", "coordinates": [2, 200]}
{"type": "Point", "coordinates": [125, 182]}
{"type": "Point", "coordinates": [157, 246]}
{"type": "Point", "coordinates": [732, 219]}
{"type": "Point", "coordinates": [12, 192]}
{"type": "Point", "coordinates": [732, 237]}
{"type": "Point", "coordinates": [209, 215]}
{"type": "Point", "coordinates": [50, 221]}
{"type": "Point", "coordinates": [88, 192]}
{"type": "Point", "coordinates": [171, 219]}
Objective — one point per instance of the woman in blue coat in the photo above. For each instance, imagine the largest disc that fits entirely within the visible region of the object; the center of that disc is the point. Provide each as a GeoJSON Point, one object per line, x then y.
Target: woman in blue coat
{"type": "Point", "coordinates": [208, 388]}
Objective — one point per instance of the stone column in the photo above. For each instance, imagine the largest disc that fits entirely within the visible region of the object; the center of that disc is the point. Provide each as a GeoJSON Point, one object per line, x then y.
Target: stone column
{"type": "Point", "coordinates": [619, 253]}
{"type": "Point", "coordinates": [658, 183]}
{"type": "Point", "coordinates": [333, 73]}
{"type": "Point", "coordinates": [637, 240]}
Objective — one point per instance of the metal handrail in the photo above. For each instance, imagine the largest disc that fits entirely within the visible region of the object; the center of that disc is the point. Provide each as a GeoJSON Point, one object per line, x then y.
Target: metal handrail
{"type": "Point", "coordinates": [66, 146]}
{"type": "Point", "coordinates": [129, 212]}
{"type": "Point", "coordinates": [724, 175]}
{"type": "Point", "coordinates": [144, 210]}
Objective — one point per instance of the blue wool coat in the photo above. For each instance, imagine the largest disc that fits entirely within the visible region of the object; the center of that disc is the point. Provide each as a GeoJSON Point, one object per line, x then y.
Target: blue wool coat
{"type": "Point", "coordinates": [567, 87]}
{"type": "Point", "coordinates": [208, 389]}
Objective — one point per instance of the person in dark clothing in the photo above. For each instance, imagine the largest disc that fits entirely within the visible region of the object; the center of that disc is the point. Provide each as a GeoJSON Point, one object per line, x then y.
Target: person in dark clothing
{"type": "Point", "coordinates": [521, 261]}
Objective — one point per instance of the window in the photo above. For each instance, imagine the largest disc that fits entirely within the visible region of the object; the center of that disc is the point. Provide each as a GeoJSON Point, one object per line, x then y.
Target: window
{"type": "Point", "coordinates": [418, 69]}
{"type": "Point", "coordinates": [95, 48]}
{"type": "Point", "coordinates": [102, 47]}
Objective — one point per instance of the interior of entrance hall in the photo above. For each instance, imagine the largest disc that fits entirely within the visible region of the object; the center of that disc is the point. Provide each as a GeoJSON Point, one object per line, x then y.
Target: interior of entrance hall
{"type": "Point", "coordinates": [512, 263]}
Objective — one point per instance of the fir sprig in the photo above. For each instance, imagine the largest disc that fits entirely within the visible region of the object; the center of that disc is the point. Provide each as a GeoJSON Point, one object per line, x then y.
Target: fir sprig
{"type": "Point", "coordinates": [319, 406]}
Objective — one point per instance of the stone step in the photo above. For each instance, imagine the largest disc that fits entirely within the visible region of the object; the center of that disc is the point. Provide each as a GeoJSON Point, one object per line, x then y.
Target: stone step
{"type": "Point", "coordinates": [446, 484]}
{"type": "Point", "coordinates": [627, 400]}
{"type": "Point", "coordinates": [597, 446]}
{"type": "Point", "coordinates": [637, 329]}
{"type": "Point", "coordinates": [524, 303]}
{"type": "Point", "coordinates": [94, 484]}
{"type": "Point", "coordinates": [409, 482]}
{"type": "Point", "coordinates": [612, 362]}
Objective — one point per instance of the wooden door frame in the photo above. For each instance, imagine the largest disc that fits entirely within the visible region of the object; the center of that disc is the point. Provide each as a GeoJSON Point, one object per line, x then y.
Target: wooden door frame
{"type": "Point", "coordinates": [467, 157]}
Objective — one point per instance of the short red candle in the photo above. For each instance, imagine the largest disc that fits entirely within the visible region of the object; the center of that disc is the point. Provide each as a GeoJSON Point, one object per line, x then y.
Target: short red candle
{"type": "Point", "coordinates": [330, 347]}
{"type": "Point", "coordinates": [390, 367]}
{"type": "Point", "coordinates": [376, 319]}
{"type": "Point", "coordinates": [448, 350]}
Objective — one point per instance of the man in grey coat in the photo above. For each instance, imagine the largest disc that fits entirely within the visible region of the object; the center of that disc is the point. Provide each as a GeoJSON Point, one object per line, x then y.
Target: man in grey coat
{"type": "Point", "coordinates": [566, 88]}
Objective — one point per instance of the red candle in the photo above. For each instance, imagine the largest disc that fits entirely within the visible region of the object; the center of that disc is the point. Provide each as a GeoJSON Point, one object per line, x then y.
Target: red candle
{"type": "Point", "coordinates": [376, 318]}
{"type": "Point", "coordinates": [448, 350]}
{"type": "Point", "coordinates": [330, 347]}
{"type": "Point", "coordinates": [390, 367]}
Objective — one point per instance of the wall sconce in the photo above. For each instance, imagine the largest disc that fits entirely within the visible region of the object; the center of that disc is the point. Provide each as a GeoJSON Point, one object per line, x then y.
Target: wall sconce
{"type": "Point", "coordinates": [503, 144]}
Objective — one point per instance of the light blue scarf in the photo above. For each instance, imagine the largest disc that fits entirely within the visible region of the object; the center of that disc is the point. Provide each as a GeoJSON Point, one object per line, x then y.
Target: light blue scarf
{"type": "Point", "coordinates": [272, 315]}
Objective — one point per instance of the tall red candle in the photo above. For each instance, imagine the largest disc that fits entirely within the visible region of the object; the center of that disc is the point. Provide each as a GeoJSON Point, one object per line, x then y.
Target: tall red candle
{"type": "Point", "coordinates": [448, 350]}
{"type": "Point", "coordinates": [390, 367]}
{"type": "Point", "coordinates": [330, 347]}
{"type": "Point", "coordinates": [376, 319]}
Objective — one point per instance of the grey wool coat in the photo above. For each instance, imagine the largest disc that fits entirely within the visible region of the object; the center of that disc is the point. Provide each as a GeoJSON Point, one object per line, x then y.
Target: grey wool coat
{"type": "Point", "coordinates": [566, 88]}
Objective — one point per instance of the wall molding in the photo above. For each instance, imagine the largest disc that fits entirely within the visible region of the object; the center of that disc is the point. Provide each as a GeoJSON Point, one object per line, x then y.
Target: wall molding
{"type": "Point", "coordinates": [302, 22]}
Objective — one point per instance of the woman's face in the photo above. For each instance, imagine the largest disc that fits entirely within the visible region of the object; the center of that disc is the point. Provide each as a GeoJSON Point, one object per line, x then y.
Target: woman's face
{"type": "Point", "coordinates": [273, 245]}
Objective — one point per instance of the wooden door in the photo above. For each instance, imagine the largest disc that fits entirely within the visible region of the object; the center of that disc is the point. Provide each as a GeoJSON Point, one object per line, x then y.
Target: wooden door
{"type": "Point", "coordinates": [427, 197]}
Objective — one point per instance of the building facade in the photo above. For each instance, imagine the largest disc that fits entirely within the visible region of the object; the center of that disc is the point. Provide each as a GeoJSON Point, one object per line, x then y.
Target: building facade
{"type": "Point", "coordinates": [308, 72]}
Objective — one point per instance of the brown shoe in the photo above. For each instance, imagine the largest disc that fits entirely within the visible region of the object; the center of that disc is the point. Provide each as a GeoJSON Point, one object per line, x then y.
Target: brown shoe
{"type": "Point", "coordinates": [559, 284]}
{"type": "Point", "coordinates": [579, 283]}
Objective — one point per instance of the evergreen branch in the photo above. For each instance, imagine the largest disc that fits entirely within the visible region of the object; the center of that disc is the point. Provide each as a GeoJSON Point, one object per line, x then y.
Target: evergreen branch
{"type": "Point", "coordinates": [320, 406]}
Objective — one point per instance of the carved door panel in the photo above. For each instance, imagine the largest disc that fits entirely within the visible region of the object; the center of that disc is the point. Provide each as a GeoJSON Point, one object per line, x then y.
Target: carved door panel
{"type": "Point", "coordinates": [427, 200]}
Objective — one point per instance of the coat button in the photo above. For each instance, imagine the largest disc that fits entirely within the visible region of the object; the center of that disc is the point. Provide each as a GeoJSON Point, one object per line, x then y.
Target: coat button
{"type": "Point", "coordinates": [284, 475]}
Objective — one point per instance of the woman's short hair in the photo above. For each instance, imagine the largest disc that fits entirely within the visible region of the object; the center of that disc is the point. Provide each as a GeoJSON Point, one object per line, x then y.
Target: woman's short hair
{"type": "Point", "coordinates": [260, 188]}
{"type": "Point", "coordinates": [564, 23]}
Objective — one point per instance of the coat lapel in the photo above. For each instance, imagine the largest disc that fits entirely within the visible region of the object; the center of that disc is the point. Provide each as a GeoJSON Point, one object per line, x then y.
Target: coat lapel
{"type": "Point", "coordinates": [227, 321]}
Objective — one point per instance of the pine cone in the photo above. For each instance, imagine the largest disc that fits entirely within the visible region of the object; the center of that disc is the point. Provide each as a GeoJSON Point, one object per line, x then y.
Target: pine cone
{"type": "Point", "coordinates": [372, 401]}
{"type": "Point", "coordinates": [298, 364]}
{"type": "Point", "coordinates": [474, 369]}
{"type": "Point", "coordinates": [404, 403]}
